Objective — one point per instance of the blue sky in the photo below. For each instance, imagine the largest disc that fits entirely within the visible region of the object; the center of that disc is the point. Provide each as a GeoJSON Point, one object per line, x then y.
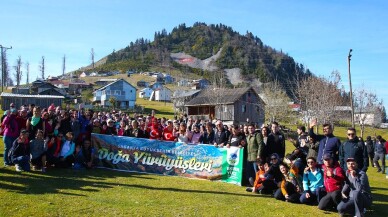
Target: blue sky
{"type": "Point", "coordinates": [318, 34]}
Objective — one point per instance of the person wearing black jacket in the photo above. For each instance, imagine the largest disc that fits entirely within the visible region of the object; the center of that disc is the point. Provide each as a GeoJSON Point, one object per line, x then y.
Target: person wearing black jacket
{"type": "Point", "coordinates": [273, 176]}
{"type": "Point", "coordinates": [370, 146]}
{"type": "Point", "coordinates": [279, 143]}
{"type": "Point", "coordinates": [208, 136]}
{"type": "Point", "coordinates": [221, 135]}
{"type": "Point", "coordinates": [21, 152]}
{"type": "Point", "coordinates": [353, 148]}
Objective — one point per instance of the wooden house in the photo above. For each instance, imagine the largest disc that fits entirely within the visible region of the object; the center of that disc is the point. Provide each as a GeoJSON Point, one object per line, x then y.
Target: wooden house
{"type": "Point", "coordinates": [237, 105]}
{"type": "Point", "coordinates": [44, 101]}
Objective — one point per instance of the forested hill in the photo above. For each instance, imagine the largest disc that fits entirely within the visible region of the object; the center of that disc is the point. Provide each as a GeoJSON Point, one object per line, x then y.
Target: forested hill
{"type": "Point", "coordinates": [246, 52]}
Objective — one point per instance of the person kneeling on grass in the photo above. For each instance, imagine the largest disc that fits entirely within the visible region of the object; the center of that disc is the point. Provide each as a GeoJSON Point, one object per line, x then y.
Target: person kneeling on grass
{"type": "Point", "coordinates": [333, 180]}
{"type": "Point", "coordinates": [259, 177]}
{"type": "Point", "coordinates": [38, 148]}
{"type": "Point", "coordinates": [21, 152]}
{"type": "Point", "coordinates": [288, 188]}
{"type": "Point", "coordinates": [312, 183]}
{"type": "Point", "coordinates": [66, 156]}
{"type": "Point", "coordinates": [356, 192]}
{"type": "Point", "coordinates": [84, 156]}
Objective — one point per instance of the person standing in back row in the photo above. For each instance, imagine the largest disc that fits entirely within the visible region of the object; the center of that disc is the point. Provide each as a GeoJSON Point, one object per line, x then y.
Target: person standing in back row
{"type": "Point", "coordinates": [279, 143]}
{"type": "Point", "coordinates": [353, 148]}
{"type": "Point", "coordinates": [370, 146]}
{"type": "Point", "coordinates": [328, 143]}
{"type": "Point", "coordinates": [380, 152]}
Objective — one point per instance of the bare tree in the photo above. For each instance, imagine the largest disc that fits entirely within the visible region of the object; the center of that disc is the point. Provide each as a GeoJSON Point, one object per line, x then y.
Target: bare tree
{"type": "Point", "coordinates": [28, 72]}
{"type": "Point", "coordinates": [6, 77]}
{"type": "Point", "coordinates": [18, 71]}
{"type": "Point", "coordinates": [319, 97]}
{"type": "Point", "coordinates": [92, 57]}
{"type": "Point", "coordinates": [366, 104]}
{"type": "Point", "coordinates": [42, 67]}
{"type": "Point", "coordinates": [276, 102]}
{"type": "Point", "coordinates": [64, 65]}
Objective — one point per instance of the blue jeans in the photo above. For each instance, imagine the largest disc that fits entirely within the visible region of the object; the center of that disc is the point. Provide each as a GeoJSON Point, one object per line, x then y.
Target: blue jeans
{"type": "Point", "coordinates": [251, 169]}
{"type": "Point", "coordinates": [355, 205]}
{"type": "Point", "coordinates": [8, 141]}
{"type": "Point", "coordinates": [315, 196]}
{"type": "Point", "coordinates": [23, 161]}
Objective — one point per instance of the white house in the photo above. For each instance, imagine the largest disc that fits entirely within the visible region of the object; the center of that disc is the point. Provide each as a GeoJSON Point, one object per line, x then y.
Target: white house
{"type": "Point", "coordinates": [145, 93]}
{"type": "Point", "coordinates": [161, 94]}
{"type": "Point", "coordinates": [183, 83]}
{"type": "Point", "coordinates": [121, 90]}
{"type": "Point", "coordinates": [83, 75]}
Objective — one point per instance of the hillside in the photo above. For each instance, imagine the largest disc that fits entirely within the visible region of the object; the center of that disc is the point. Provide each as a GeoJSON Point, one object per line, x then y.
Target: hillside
{"type": "Point", "coordinates": [208, 50]}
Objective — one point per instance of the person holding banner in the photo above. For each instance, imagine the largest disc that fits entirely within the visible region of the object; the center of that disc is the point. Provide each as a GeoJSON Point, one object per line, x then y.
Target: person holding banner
{"type": "Point", "coordinates": [136, 131]}
{"type": "Point", "coordinates": [221, 135]}
{"type": "Point", "coordinates": [208, 136]}
{"type": "Point", "coordinates": [168, 132]}
{"type": "Point", "coordinates": [254, 141]}
{"type": "Point", "coordinates": [184, 135]}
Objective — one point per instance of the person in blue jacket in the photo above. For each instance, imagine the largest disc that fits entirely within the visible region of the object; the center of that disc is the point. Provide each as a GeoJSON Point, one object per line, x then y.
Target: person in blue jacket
{"type": "Point", "coordinates": [328, 143]}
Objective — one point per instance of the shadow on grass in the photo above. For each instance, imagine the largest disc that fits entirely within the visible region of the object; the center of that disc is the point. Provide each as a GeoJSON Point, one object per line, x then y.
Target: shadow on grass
{"type": "Point", "coordinates": [194, 191]}
{"type": "Point", "coordinates": [380, 202]}
{"type": "Point", "coordinates": [61, 181]}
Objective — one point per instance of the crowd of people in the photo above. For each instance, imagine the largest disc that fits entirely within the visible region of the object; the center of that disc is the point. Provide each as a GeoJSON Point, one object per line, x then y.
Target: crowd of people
{"type": "Point", "coordinates": [321, 170]}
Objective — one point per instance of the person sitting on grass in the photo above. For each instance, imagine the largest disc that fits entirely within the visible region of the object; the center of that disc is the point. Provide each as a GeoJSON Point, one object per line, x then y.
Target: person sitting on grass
{"type": "Point", "coordinates": [333, 180]}
{"type": "Point", "coordinates": [288, 187]}
{"type": "Point", "coordinates": [272, 177]}
{"type": "Point", "coordinates": [38, 148]}
{"type": "Point", "coordinates": [312, 183]}
{"type": "Point", "coordinates": [21, 152]}
{"type": "Point", "coordinates": [356, 192]}
{"type": "Point", "coordinates": [84, 156]}
{"type": "Point", "coordinates": [54, 149]}
{"type": "Point", "coordinates": [66, 156]}
{"type": "Point", "coordinates": [260, 178]}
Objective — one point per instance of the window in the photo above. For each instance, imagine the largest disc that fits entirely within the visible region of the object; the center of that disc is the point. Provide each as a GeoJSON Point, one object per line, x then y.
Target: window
{"type": "Point", "coordinates": [243, 108]}
{"type": "Point", "coordinates": [225, 108]}
{"type": "Point", "coordinates": [117, 92]}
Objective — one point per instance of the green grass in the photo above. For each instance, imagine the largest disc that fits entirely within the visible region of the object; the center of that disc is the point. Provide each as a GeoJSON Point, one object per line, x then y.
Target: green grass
{"type": "Point", "coordinates": [99, 192]}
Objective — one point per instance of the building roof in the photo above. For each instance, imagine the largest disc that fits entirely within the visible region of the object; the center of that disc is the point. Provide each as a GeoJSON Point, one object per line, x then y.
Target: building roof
{"type": "Point", "coordinates": [225, 96]}
{"type": "Point", "coordinates": [107, 80]}
{"type": "Point", "coordinates": [30, 96]}
{"type": "Point", "coordinates": [117, 80]}
{"type": "Point", "coordinates": [179, 94]}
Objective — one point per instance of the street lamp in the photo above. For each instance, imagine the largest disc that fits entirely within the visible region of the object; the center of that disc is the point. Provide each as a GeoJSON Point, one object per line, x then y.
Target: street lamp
{"type": "Point", "coordinates": [350, 86]}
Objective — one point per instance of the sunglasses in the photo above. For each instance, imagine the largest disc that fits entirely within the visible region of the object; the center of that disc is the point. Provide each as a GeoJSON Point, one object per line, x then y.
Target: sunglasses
{"type": "Point", "coordinates": [310, 162]}
{"type": "Point", "coordinates": [350, 134]}
{"type": "Point", "coordinates": [273, 158]}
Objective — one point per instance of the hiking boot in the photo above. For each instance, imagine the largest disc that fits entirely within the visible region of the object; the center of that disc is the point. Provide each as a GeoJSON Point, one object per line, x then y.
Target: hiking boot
{"type": "Point", "coordinates": [379, 170]}
{"type": "Point", "coordinates": [251, 181]}
{"type": "Point", "coordinates": [43, 169]}
{"type": "Point", "coordinates": [18, 168]}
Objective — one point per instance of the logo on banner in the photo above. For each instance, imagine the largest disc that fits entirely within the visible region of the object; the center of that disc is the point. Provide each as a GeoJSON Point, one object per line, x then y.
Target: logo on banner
{"type": "Point", "coordinates": [232, 156]}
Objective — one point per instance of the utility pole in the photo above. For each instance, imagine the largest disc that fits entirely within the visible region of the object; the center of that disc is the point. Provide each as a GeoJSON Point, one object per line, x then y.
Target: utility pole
{"type": "Point", "coordinates": [3, 49]}
{"type": "Point", "coordinates": [350, 86]}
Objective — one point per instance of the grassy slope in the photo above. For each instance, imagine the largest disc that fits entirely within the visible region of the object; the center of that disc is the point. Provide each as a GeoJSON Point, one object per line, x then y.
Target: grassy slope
{"type": "Point", "coordinates": [110, 193]}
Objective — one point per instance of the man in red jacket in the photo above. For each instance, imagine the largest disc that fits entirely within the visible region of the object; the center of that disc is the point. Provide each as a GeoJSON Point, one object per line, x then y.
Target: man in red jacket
{"type": "Point", "coordinates": [334, 178]}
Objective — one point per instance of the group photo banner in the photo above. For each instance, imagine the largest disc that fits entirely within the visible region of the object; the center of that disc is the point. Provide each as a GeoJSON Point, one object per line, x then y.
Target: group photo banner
{"type": "Point", "coordinates": [168, 158]}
